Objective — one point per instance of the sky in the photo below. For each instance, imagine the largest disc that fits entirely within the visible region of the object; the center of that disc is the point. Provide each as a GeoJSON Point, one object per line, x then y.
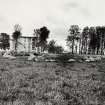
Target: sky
{"type": "Point", "coordinates": [57, 15]}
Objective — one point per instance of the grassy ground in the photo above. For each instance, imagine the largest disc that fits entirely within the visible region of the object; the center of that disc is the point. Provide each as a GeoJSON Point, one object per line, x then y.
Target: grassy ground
{"type": "Point", "coordinates": [45, 83]}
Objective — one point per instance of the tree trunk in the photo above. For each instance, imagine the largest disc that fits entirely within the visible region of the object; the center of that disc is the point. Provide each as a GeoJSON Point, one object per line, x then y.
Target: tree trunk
{"type": "Point", "coordinates": [80, 48]}
{"type": "Point", "coordinates": [101, 45]}
{"type": "Point", "coordinates": [73, 46]}
{"type": "Point", "coordinates": [16, 45]}
{"type": "Point", "coordinates": [86, 46]}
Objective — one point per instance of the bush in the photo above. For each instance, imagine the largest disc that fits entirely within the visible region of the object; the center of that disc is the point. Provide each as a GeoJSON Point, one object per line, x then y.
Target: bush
{"type": "Point", "coordinates": [63, 58]}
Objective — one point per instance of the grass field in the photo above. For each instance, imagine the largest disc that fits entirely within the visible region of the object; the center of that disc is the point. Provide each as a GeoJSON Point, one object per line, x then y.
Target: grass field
{"type": "Point", "coordinates": [50, 83]}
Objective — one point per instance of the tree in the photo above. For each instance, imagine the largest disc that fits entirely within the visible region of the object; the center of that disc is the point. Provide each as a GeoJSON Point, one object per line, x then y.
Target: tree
{"type": "Point", "coordinates": [85, 37]}
{"type": "Point", "coordinates": [93, 38]}
{"type": "Point", "coordinates": [74, 32]}
{"type": "Point", "coordinates": [37, 39]}
{"type": "Point", "coordinates": [59, 49]}
{"type": "Point", "coordinates": [42, 35]}
{"type": "Point", "coordinates": [51, 46]}
{"type": "Point", "coordinates": [98, 35]}
{"type": "Point", "coordinates": [16, 34]}
{"type": "Point", "coordinates": [102, 39]}
{"type": "Point", "coordinates": [4, 41]}
{"type": "Point", "coordinates": [69, 42]}
{"type": "Point", "coordinates": [54, 48]}
{"type": "Point", "coordinates": [80, 43]}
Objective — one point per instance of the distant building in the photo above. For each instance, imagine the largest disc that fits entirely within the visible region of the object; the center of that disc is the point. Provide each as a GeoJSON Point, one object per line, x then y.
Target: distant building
{"type": "Point", "coordinates": [26, 44]}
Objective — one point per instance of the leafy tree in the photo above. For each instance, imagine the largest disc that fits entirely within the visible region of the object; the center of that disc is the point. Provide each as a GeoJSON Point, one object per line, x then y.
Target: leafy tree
{"type": "Point", "coordinates": [100, 30]}
{"type": "Point", "coordinates": [54, 48]}
{"type": "Point", "coordinates": [16, 34]}
{"type": "Point", "coordinates": [51, 46]}
{"type": "Point", "coordinates": [85, 37]}
{"type": "Point", "coordinates": [42, 35]}
{"type": "Point", "coordinates": [74, 32]}
{"type": "Point", "coordinates": [102, 38]}
{"type": "Point", "coordinates": [91, 40]}
{"type": "Point", "coordinates": [59, 49]}
{"type": "Point", "coordinates": [92, 44]}
{"type": "Point", "coordinates": [4, 41]}
{"type": "Point", "coordinates": [69, 42]}
{"type": "Point", "coordinates": [98, 35]}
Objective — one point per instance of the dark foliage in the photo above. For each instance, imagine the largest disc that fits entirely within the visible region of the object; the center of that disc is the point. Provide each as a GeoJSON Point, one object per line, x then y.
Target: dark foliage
{"type": "Point", "coordinates": [4, 40]}
{"type": "Point", "coordinates": [16, 35]}
{"type": "Point", "coordinates": [91, 40]}
{"type": "Point", "coordinates": [44, 33]}
{"type": "Point", "coordinates": [54, 48]}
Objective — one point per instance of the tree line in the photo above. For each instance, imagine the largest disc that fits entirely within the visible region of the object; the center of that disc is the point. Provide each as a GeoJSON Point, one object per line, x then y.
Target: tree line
{"type": "Point", "coordinates": [91, 40]}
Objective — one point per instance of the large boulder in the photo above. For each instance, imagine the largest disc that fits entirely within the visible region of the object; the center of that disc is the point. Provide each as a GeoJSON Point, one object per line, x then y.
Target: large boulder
{"type": "Point", "coordinates": [50, 60]}
{"type": "Point", "coordinates": [92, 58]}
{"type": "Point", "coordinates": [71, 60]}
{"type": "Point", "coordinates": [8, 54]}
{"type": "Point", "coordinates": [2, 52]}
{"type": "Point", "coordinates": [97, 58]}
{"type": "Point", "coordinates": [31, 57]}
{"type": "Point", "coordinates": [89, 59]}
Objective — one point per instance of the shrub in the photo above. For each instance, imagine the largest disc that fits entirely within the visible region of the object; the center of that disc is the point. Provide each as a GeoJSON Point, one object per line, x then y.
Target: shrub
{"type": "Point", "coordinates": [63, 59]}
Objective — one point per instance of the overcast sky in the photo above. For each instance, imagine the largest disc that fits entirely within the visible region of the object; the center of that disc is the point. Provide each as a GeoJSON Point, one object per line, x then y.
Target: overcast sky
{"type": "Point", "coordinates": [57, 15]}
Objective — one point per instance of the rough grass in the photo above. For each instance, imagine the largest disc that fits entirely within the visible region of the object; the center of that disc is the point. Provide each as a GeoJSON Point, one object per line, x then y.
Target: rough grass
{"type": "Point", "coordinates": [45, 83]}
